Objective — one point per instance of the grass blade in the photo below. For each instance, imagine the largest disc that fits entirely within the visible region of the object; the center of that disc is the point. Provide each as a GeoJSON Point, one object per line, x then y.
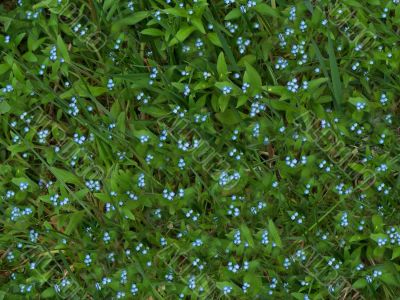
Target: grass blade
{"type": "Point", "coordinates": [336, 82]}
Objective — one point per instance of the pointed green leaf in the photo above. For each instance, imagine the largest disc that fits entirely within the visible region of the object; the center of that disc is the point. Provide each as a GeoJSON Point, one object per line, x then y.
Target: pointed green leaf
{"type": "Point", "coordinates": [247, 235]}
{"type": "Point", "coordinates": [182, 35]}
{"type": "Point", "coordinates": [132, 20]}
{"type": "Point", "coordinates": [233, 14]}
{"type": "Point", "coordinates": [152, 32]}
{"type": "Point", "coordinates": [65, 176]}
{"type": "Point", "coordinates": [222, 68]}
{"type": "Point", "coordinates": [336, 82]}
{"type": "Point", "coordinates": [63, 49]}
{"type": "Point", "coordinates": [251, 76]}
{"type": "Point", "coordinates": [198, 24]}
{"type": "Point", "coordinates": [274, 233]}
{"type": "Point", "coordinates": [75, 219]}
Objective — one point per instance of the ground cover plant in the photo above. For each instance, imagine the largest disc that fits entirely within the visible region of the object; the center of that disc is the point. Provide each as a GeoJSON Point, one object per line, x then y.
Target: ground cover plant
{"type": "Point", "coordinates": [163, 149]}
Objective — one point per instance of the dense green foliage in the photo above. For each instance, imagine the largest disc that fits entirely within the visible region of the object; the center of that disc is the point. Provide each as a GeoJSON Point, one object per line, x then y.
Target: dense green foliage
{"type": "Point", "coordinates": [197, 149]}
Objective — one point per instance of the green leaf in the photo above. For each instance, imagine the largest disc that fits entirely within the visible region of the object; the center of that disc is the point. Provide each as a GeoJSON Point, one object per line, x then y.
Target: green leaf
{"type": "Point", "coordinates": [153, 111]}
{"type": "Point", "coordinates": [389, 279]}
{"type": "Point", "coordinates": [178, 12]}
{"type": "Point", "coordinates": [396, 252]}
{"type": "Point", "coordinates": [377, 221]}
{"type": "Point", "coordinates": [48, 293]}
{"type": "Point", "coordinates": [75, 219]}
{"type": "Point", "coordinates": [63, 49]}
{"type": "Point", "coordinates": [196, 21]}
{"type": "Point", "coordinates": [18, 73]}
{"type": "Point", "coordinates": [4, 107]}
{"type": "Point", "coordinates": [107, 4]}
{"type": "Point", "coordinates": [213, 37]}
{"type": "Point", "coordinates": [315, 83]}
{"type": "Point", "coordinates": [222, 68]}
{"type": "Point", "coordinates": [121, 126]}
{"type": "Point", "coordinates": [128, 213]}
{"type": "Point", "coordinates": [298, 296]}
{"type": "Point", "coordinates": [29, 56]}
{"type": "Point", "coordinates": [82, 90]}
{"type": "Point", "coordinates": [132, 20]}
{"type": "Point", "coordinates": [152, 32]}
{"type": "Point", "coordinates": [4, 68]}
{"type": "Point", "coordinates": [223, 102]}
{"type": "Point", "coordinates": [274, 233]}
{"type": "Point", "coordinates": [233, 14]}
{"type": "Point", "coordinates": [182, 35]}
{"type": "Point", "coordinates": [247, 234]}
{"type": "Point", "coordinates": [65, 176]}
{"type": "Point", "coordinates": [242, 100]}
{"type": "Point", "coordinates": [34, 42]}
{"type": "Point", "coordinates": [251, 76]}
{"type": "Point", "coordinates": [317, 16]}
{"type": "Point", "coordinates": [96, 90]}
{"type": "Point", "coordinates": [266, 10]}
{"type": "Point", "coordinates": [309, 6]}
{"type": "Point", "coordinates": [358, 237]}
{"type": "Point", "coordinates": [336, 82]}
{"type": "Point", "coordinates": [228, 117]}
{"type": "Point", "coordinates": [360, 283]}
{"type": "Point", "coordinates": [353, 3]}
